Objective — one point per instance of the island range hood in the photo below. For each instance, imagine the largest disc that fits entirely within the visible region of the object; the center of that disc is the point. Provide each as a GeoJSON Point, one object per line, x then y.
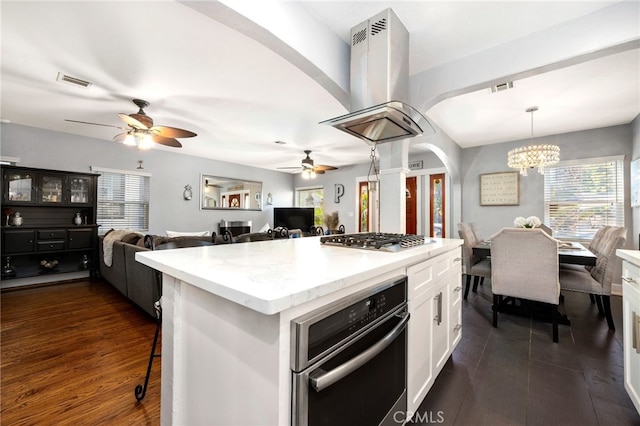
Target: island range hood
{"type": "Point", "coordinates": [380, 84]}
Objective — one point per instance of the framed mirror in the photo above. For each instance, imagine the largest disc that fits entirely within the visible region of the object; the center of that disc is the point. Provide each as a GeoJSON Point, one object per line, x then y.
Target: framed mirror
{"type": "Point", "coordinates": [223, 193]}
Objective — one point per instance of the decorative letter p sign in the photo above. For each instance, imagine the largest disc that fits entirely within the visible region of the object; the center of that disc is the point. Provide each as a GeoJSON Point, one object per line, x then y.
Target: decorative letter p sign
{"type": "Point", "coordinates": [339, 192]}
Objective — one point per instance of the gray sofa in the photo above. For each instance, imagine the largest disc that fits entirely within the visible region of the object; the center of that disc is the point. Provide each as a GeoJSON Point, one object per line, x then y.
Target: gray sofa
{"type": "Point", "coordinates": [134, 280]}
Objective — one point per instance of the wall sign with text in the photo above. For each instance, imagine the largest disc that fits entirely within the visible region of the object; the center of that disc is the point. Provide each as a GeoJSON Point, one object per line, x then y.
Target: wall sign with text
{"type": "Point", "coordinates": [500, 189]}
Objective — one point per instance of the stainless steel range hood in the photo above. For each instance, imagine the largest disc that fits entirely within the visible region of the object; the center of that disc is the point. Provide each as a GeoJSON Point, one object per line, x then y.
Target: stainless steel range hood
{"type": "Point", "coordinates": [380, 83]}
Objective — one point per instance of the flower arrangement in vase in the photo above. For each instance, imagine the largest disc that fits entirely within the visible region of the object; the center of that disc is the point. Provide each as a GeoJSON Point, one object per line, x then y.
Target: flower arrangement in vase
{"type": "Point", "coordinates": [530, 222]}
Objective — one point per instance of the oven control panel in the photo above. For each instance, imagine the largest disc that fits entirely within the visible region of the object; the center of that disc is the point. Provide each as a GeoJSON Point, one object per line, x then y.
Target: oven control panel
{"type": "Point", "coordinates": [320, 330]}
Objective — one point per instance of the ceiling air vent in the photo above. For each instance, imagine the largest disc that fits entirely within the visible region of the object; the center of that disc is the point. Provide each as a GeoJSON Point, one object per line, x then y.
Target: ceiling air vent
{"type": "Point", "coordinates": [503, 86]}
{"type": "Point", "coordinates": [78, 82]}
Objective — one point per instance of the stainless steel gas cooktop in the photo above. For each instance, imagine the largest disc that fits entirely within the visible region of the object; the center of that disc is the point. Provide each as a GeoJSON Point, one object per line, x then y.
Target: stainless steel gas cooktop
{"type": "Point", "coordinates": [376, 241]}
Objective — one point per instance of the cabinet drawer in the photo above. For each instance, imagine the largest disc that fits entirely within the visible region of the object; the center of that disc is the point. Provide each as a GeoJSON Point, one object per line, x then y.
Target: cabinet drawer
{"type": "Point", "coordinates": [17, 241]}
{"type": "Point", "coordinates": [79, 238]}
{"type": "Point", "coordinates": [422, 275]}
{"type": "Point", "coordinates": [50, 245]}
{"type": "Point", "coordinates": [51, 234]}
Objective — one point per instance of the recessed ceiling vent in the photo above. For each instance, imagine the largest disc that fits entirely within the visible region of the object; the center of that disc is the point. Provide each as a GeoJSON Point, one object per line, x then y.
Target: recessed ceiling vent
{"type": "Point", "coordinates": [75, 81]}
{"type": "Point", "coordinates": [503, 86]}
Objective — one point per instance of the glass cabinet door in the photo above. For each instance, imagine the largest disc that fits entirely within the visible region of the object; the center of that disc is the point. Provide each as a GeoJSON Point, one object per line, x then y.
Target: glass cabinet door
{"type": "Point", "coordinates": [20, 187]}
{"type": "Point", "coordinates": [79, 190]}
{"type": "Point", "coordinates": [51, 189]}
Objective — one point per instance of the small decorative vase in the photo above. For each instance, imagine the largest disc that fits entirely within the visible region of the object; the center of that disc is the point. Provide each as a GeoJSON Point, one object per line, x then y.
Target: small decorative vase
{"type": "Point", "coordinates": [85, 262]}
{"type": "Point", "coordinates": [16, 219]}
{"type": "Point", "coordinates": [78, 219]}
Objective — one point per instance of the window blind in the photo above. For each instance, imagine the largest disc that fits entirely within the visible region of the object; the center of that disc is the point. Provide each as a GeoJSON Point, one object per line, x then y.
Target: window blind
{"type": "Point", "coordinates": [123, 200]}
{"type": "Point", "coordinates": [580, 197]}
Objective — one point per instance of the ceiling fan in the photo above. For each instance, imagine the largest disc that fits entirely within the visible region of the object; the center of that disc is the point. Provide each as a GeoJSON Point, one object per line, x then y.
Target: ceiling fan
{"type": "Point", "coordinates": [309, 170]}
{"type": "Point", "coordinates": [141, 132]}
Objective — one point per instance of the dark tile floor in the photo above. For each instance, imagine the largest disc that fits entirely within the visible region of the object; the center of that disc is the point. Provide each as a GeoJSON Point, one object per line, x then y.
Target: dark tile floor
{"type": "Point", "coordinates": [516, 375]}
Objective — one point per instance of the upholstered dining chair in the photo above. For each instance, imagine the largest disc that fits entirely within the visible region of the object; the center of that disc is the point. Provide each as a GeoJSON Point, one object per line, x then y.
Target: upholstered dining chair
{"type": "Point", "coordinates": [524, 265]}
{"type": "Point", "coordinates": [545, 228]}
{"type": "Point", "coordinates": [597, 280]}
{"type": "Point", "coordinates": [472, 265]}
{"type": "Point", "coordinates": [171, 243]}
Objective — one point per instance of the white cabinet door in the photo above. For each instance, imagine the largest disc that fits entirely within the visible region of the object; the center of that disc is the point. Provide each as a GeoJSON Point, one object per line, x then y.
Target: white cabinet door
{"type": "Point", "coordinates": [420, 363]}
{"type": "Point", "coordinates": [631, 327]}
{"type": "Point", "coordinates": [433, 302]}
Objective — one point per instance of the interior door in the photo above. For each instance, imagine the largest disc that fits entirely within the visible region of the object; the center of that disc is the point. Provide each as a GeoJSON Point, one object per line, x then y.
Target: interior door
{"type": "Point", "coordinates": [437, 214]}
{"type": "Point", "coordinates": [412, 203]}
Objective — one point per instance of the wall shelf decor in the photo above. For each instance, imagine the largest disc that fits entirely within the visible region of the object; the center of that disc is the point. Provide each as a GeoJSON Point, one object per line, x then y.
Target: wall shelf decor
{"type": "Point", "coordinates": [500, 189]}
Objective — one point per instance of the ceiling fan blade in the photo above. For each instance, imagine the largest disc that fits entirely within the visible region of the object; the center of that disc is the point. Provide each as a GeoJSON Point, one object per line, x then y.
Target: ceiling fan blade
{"type": "Point", "coordinates": [132, 122]}
{"type": "Point", "coordinates": [120, 137]}
{"type": "Point", "coordinates": [290, 168]}
{"type": "Point", "coordinates": [172, 132]}
{"type": "Point", "coordinates": [166, 141]}
{"type": "Point", "coordinates": [319, 172]}
{"type": "Point", "coordinates": [94, 124]}
{"type": "Point", "coordinates": [322, 167]}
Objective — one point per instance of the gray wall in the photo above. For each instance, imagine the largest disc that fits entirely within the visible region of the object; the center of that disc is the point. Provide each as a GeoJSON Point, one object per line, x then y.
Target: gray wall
{"type": "Point", "coordinates": [170, 173]}
{"type": "Point", "coordinates": [635, 135]}
{"type": "Point", "coordinates": [603, 142]}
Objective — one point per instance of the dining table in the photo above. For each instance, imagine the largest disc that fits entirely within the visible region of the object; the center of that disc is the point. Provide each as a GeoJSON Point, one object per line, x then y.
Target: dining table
{"type": "Point", "coordinates": [568, 252]}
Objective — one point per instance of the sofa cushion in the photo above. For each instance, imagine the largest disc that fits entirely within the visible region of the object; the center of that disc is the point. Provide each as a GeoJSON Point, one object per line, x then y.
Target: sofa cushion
{"type": "Point", "coordinates": [131, 238]}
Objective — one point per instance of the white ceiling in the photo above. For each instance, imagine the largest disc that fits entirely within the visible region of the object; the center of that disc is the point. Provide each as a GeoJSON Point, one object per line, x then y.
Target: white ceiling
{"type": "Point", "coordinates": [240, 96]}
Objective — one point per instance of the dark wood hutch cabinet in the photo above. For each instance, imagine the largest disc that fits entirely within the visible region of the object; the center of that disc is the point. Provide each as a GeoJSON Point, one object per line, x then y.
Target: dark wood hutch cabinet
{"type": "Point", "coordinates": [48, 222]}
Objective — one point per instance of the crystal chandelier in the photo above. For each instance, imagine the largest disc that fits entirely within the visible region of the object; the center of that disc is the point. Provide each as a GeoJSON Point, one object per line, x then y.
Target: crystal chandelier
{"type": "Point", "coordinates": [528, 157]}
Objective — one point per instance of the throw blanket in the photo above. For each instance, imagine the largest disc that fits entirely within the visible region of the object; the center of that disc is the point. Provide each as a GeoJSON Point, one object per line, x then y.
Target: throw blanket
{"type": "Point", "coordinates": [109, 239]}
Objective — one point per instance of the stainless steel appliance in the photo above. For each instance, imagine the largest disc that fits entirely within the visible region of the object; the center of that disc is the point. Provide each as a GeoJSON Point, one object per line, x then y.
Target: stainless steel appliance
{"type": "Point", "coordinates": [379, 76]}
{"type": "Point", "coordinates": [349, 360]}
{"type": "Point", "coordinates": [376, 241]}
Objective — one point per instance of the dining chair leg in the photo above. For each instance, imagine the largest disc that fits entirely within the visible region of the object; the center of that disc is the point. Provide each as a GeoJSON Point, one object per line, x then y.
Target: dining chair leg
{"type": "Point", "coordinates": [476, 280]}
{"type": "Point", "coordinates": [554, 322]}
{"type": "Point", "coordinates": [593, 299]}
{"type": "Point", "coordinates": [599, 303]}
{"type": "Point", "coordinates": [466, 288]}
{"type": "Point", "coordinates": [606, 303]}
{"type": "Point", "coordinates": [494, 307]}
{"type": "Point", "coordinates": [481, 280]}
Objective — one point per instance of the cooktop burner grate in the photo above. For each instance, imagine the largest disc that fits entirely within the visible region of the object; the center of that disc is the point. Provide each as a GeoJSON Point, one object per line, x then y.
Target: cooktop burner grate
{"type": "Point", "coordinates": [374, 240]}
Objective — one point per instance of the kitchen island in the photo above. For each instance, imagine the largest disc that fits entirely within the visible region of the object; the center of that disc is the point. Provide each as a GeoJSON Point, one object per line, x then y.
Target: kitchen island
{"type": "Point", "coordinates": [227, 311]}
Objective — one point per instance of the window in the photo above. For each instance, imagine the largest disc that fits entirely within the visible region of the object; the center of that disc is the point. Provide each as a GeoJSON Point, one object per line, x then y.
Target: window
{"type": "Point", "coordinates": [312, 197]}
{"type": "Point", "coordinates": [582, 196]}
{"type": "Point", "coordinates": [123, 199]}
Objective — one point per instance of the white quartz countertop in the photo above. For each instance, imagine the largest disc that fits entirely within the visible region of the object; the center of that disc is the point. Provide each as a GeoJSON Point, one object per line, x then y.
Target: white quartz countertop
{"type": "Point", "coordinates": [272, 276]}
{"type": "Point", "coordinates": [632, 256]}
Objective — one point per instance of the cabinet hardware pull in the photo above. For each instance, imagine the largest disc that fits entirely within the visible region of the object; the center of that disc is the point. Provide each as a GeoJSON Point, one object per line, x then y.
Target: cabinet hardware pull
{"type": "Point", "coordinates": [628, 279]}
{"type": "Point", "coordinates": [457, 288]}
{"type": "Point", "coordinates": [635, 331]}
{"type": "Point", "coordinates": [457, 259]}
{"type": "Point", "coordinates": [457, 327]}
{"type": "Point", "coordinates": [438, 317]}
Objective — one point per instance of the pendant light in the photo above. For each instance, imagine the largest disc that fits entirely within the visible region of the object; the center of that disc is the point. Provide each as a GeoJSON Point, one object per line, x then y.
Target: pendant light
{"type": "Point", "coordinates": [531, 156]}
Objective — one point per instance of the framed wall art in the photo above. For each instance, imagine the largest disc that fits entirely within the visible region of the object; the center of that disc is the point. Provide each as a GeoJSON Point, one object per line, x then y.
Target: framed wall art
{"type": "Point", "coordinates": [500, 189]}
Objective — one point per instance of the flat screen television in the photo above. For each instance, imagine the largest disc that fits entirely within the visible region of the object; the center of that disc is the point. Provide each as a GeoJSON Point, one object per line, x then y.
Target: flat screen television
{"type": "Point", "coordinates": [293, 217]}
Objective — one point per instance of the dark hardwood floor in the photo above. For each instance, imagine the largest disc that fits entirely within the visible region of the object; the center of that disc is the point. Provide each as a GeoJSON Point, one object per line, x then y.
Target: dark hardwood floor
{"type": "Point", "coordinates": [72, 354]}
{"type": "Point", "coordinates": [516, 375]}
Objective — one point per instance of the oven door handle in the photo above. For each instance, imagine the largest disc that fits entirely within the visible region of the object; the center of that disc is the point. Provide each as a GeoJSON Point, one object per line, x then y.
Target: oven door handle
{"type": "Point", "coordinates": [324, 379]}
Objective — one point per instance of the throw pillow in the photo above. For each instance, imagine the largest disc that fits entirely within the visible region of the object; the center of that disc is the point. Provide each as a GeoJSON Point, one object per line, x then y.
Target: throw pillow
{"type": "Point", "coordinates": [188, 234]}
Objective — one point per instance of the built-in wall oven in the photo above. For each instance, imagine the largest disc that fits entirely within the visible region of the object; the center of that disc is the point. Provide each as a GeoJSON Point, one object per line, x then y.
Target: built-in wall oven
{"type": "Point", "coordinates": [349, 360]}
